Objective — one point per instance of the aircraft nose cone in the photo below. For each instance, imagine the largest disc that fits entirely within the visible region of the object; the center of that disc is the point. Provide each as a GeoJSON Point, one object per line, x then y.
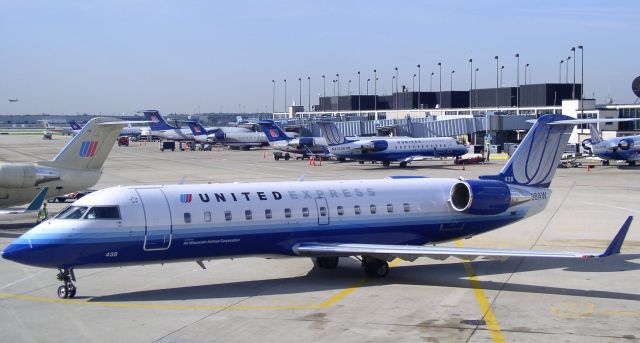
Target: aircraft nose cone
{"type": "Point", "coordinates": [12, 252]}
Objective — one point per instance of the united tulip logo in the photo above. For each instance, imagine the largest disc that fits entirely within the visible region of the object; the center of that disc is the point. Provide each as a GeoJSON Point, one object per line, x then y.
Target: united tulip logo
{"type": "Point", "coordinates": [186, 198]}
{"type": "Point", "coordinates": [88, 149]}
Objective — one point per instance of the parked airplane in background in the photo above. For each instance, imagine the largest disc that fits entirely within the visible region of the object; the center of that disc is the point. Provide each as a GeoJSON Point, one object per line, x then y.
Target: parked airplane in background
{"type": "Point", "coordinates": [11, 214]}
{"type": "Point", "coordinates": [387, 150]}
{"type": "Point", "coordinates": [619, 148]}
{"type": "Point", "coordinates": [61, 129]}
{"type": "Point", "coordinates": [129, 131]}
{"type": "Point", "coordinates": [13, 100]}
{"type": "Point", "coordinates": [160, 128]}
{"type": "Point", "coordinates": [279, 140]}
{"type": "Point", "coordinates": [241, 140]}
{"type": "Point", "coordinates": [377, 220]}
{"type": "Point", "coordinates": [77, 166]}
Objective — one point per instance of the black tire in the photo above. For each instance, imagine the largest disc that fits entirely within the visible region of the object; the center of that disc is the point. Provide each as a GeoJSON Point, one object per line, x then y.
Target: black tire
{"type": "Point", "coordinates": [287, 157]}
{"type": "Point", "coordinates": [63, 292]}
{"type": "Point", "coordinates": [632, 163]}
{"type": "Point", "coordinates": [375, 268]}
{"type": "Point", "coordinates": [72, 291]}
{"type": "Point", "coordinates": [386, 164]}
{"type": "Point", "coordinates": [61, 199]}
{"type": "Point", "coordinates": [276, 157]}
{"type": "Point", "coordinates": [403, 164]}
{"type": "Point", "coordinates": [326, 262]}
{"type": "Point", "coordinates": [360, 162]}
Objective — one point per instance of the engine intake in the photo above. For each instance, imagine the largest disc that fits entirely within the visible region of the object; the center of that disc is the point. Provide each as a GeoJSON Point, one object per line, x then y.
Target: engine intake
{"type": "Point", "coordinates": [374, 146]}
{"type": "Point", "coordinates": [219, 135]}
{"type": "Point", "coordinates": [625, 144]}
{"type": "Point", "coordinates": [483, 197]}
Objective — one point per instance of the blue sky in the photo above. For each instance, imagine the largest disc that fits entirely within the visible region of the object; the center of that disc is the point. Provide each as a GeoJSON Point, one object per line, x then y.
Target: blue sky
{"type": "Point", "coordinates": [185, 56]}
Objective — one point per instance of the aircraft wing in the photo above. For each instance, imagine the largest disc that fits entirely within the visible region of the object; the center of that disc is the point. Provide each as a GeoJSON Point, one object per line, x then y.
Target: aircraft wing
{"type": "Point", "coordinates": [417, 158]}
{"type": "Point", "coordinates": [33, 206]}
{"type": "Point", "coordinates": [410, 253]}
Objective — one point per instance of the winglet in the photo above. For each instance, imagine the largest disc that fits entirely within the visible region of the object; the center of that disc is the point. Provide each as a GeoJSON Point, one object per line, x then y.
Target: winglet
{"type": "Point", "coordinates": [616, 243]}
{"type": "Point", "coordinates": [38, 200]}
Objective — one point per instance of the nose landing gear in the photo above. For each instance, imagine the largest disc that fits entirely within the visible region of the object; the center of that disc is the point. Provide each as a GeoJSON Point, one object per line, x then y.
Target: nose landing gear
{"type": "Point", "coordinates": [68, 290]}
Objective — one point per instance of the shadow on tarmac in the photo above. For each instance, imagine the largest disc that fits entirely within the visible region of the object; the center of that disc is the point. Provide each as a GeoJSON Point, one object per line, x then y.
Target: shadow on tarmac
{"type": "Point", "coordinates": [451, 275]}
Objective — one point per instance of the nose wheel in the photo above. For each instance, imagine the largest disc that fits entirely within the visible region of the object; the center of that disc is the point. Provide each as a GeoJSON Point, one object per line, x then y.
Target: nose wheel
{"type": "Point", "coordinates": [68, 290]}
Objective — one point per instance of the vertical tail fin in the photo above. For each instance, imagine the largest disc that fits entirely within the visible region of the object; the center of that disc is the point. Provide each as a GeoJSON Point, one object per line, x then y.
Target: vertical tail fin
{"type": "Point", "coordinates": [74, 125]}
{"type": "Point", "coordinates": [535, 161]}
{"type": "Point", "coordinates": [157, 123]}
{"type": "Point", "coordinates": [273, 132]}
{"type": "Point", "coordinates": [331, 133]}
{"type": "Point", "coordinates": [90, 147]}
{"type": "Point", "coordinates": [196, 128]}
{"type": "Point", "coordinates": [38, 200]}
{"type": "Point", "coordinates": [595, 133]}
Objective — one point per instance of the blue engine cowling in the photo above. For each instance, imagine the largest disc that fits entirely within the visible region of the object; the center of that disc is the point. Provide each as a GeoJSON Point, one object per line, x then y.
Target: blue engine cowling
{"type": "Point", "coordinates": [306, 141]}
{"type": "Point", "coordinates": [625, 144]}
{"type": "Point", "coordinates": [374, 146]}
{"type": "Point", "coordinates": [219, 135]}
{"type": "Point", "coordinates": [484, 197]}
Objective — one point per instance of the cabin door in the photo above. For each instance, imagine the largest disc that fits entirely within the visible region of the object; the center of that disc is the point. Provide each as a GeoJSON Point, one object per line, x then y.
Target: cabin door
{"type": "Point", "coordinates": [323, 211]}
{"type": "Point", "coordinates": [158, 228]}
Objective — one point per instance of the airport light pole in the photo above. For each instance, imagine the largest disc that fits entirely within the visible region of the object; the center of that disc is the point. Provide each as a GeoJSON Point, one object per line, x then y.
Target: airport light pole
{"type": "Point", "coordinates": [273, 101]}
{"type": "Point", "coordinates": [518, 84]}
{"type": "Point", "coordinates": [334, 87]}
{"type": "Point", "coordinates": [497, 84]}
{"type": "Point", "coordinates": [431, 82]}
{"type": "Point", "coordinates": [451, 82]}
{"type": "Point", "coordinates": [324, 87]}
{"type": "Point", "coordinates": [392, 79]}
{"type": "Point", "coordinates": [525, 73]}
{"type": "Point", "coordinates": [285, 95]}
{"type": "Point", "coordinates": [567, 74]}
{"type": "Point", "coordinates": [419, 87]}
{"type": "Point", "coordinates": [338, 80]}
{"type": "Point", "coordinates": [475, 83]}
{"type": "Point", "coordinates": [560, 72]}
{"type": "Point", "coordinates": [413, 83]}
{"type": "Point", "coordinates": [359, 92]}
{"type": "Point", "coordinates": [375, 92]}
{"type": "Point", "coordinates": [397, 80]}
{"type": "Point", "coordinates": [573, 90]}
{"type": "Point", "coordinates": [470, 83]}
{"type": "Point", "coordinates": [501, 69]}
{"type": "Point", "coordinates": [440, 93]}
{"type": "Point", "coordinates": [300, 91]}
{"type": "Point", "coordinates": [309, 92]}
{"type": "Point", "coordinates": [368, 86]}
{"type": "Point", "coordinates": [349, 87]}
{"type": "Point", "coordinates": [582, 80]}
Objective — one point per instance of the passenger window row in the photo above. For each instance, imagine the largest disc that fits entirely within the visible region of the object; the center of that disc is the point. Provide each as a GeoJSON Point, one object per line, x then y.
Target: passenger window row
{"type": "Point", "coordinates": [268, 213]}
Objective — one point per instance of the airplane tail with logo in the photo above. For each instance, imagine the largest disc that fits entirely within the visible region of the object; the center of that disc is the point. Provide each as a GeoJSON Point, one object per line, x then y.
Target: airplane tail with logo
{"type": "Point", "coordinates": [273, 132]}
{"type": "Point", "coordinates": [196, 128]}
{"type": "Point", "coordinates": [596, 137]}
{"type": "Point", "coordinates": [156, 121]}
{"type": "Point", "coordinates": [536, 159]}
{"type": "Point", "coordinates": [331, 133]}
{"type": "Point", "coordinates": [90, 147]}
{"type": "Point", "coordinates": [74, 125]}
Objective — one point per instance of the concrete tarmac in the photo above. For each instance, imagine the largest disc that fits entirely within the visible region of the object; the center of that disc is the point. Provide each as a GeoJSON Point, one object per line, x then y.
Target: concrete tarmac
{"type": "Point", "coordinates": [286, 300]}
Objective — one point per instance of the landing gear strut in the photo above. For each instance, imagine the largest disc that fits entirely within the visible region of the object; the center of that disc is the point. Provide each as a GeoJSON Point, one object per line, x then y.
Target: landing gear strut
{"type": "Point", "coordinates": [68, 290]}
{"type": "Point", "coordinates": [374, 267]}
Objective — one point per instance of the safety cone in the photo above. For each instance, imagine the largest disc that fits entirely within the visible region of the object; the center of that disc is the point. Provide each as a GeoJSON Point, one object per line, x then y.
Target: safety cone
{"type": "Point", "coordinates": [463, 166]}
{"type": "Point", "coordinates": [320, 160]}
{"type": "Point", "coordinates": [264, 154]}
{"type": "Point", "coordinates": [588, 167]}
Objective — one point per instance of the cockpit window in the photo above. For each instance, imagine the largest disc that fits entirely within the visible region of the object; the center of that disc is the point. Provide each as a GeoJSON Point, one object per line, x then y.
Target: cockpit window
{"type": "Point", "coordinates": [72, 212]}
{"type": "Point", "coordinates": [103, 212]}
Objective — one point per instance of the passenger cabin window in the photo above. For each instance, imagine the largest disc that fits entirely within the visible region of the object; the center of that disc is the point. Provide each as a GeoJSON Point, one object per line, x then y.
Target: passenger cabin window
{"type": "Point", "coordinates": [373, 209]}
{"type": "Point", "coordinates": [72, 212]}
{"type": "Point", "coordinates": [103, 212]}
{"type": "Point", "coordinates": [268, 214]}
{"type": "Point", "coordinates": [389, 208]}
{"type": "Point", "coordinates": [323, 211]}
{"type": "Point", "coordinates": [247, 215]}
{"type": "Point", "coordinates": [356, 209]}
{"type": "Point", "coordinates": [305, 212]}
{"type": "Point", "coordinates": [227, 215]}
{"type": "Point", "coordinates": [406, 207]}
{"type": "Point", "coordinates": [207, 216]}
{"type": "Point", "coordinates": [287, 213]}
{"type": "Point", "coordinates": [340, 210]}
{"type": "Point", "coordinates": [187, 217]}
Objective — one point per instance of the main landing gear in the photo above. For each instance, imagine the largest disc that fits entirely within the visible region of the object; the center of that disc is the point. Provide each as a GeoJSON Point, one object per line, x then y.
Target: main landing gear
{"type": "Point", "coordinates": [372, 266]}
{"type": "Point", "coordinates": [68, 290]}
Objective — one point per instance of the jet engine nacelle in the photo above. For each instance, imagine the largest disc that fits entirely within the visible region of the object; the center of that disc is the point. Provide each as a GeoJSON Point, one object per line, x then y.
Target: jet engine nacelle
{"type": "Point", "coordinates": [306, 141]}
{"type": "Point", "coordinates": [625, 144]}
{"type": "Point", "coordinates": [219, 135]}
{"type": "Point", "coordinates": [586, 144]}
{"type": "Point", "coordinates": [374, 146]}
{"type": "Point", "coordinates": [484, 197]}
{"type": "Point", "coordinates": [24, 175]}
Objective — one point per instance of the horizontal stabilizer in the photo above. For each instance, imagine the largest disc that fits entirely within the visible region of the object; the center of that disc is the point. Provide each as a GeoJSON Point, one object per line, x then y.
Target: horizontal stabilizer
{"type": "Point", "coordinates": [409, 252]}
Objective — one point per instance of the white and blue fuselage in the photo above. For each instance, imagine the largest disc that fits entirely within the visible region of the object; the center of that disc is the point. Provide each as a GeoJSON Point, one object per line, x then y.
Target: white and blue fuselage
{"type": "Point", "coordinates": [199, 222]}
